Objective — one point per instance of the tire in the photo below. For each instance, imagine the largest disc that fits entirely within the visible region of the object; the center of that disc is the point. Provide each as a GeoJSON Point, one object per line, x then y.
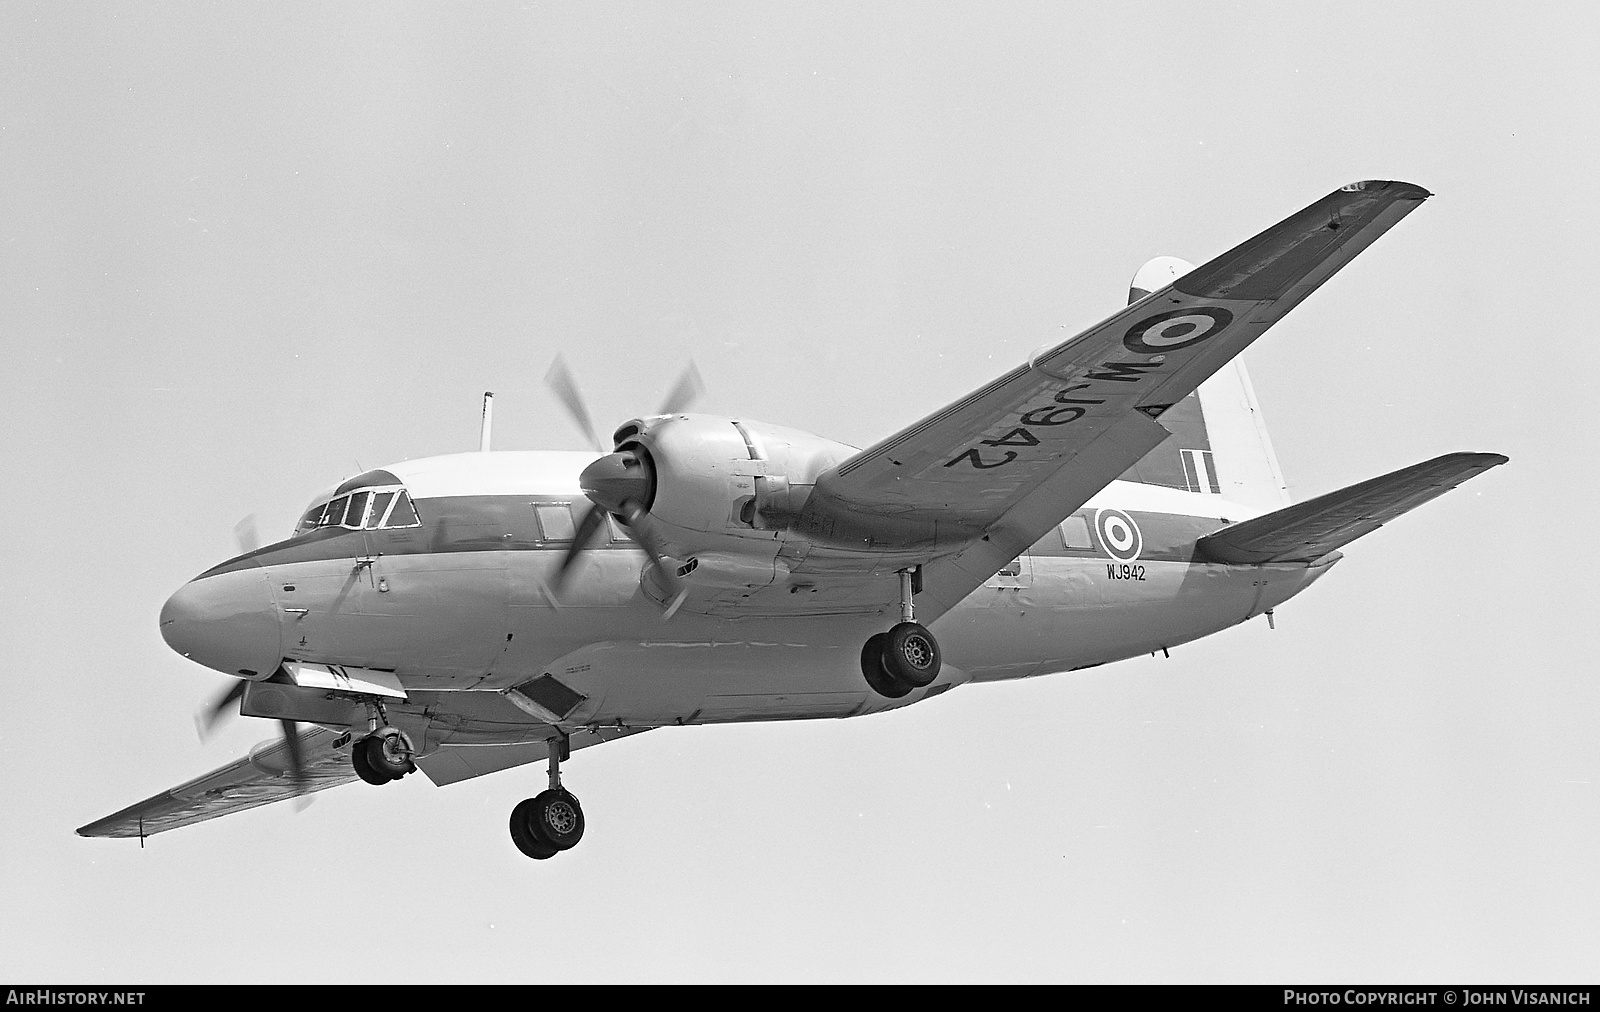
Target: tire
{"type": "Point", "coordinates": [911, 655]}
{"type": "Point", "coordinates": [522, 833]}
{"type": "Point", "coordinates": [387, 754]}
{"type": "Point", "coordinates": [364, 770]}
{"type": "Point", "coordinates": [883, 683]}
{"type": "Point", "coordinates": [556, 820]}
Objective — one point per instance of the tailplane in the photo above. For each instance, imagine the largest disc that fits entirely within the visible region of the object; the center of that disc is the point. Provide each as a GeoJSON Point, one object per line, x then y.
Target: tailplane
{"type": "Point", "coordinates": [1307, 531]}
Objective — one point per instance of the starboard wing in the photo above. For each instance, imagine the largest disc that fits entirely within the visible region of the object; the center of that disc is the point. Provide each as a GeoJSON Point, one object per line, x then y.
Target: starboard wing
{"type": "Point", "coordinates": [973, 460]}
{"type": "Point", "coordinates": [999, 467]}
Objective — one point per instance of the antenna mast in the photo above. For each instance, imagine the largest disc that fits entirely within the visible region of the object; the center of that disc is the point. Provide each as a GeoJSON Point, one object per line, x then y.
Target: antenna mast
{"type": "Point", "coordinates": [488, 421]}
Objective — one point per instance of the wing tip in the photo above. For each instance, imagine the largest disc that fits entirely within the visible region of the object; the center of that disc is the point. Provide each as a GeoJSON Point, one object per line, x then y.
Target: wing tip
{"type": "Point", "coordinates": [1482, 460]}
{"type": "Point", "coordinates": [1402, 190]}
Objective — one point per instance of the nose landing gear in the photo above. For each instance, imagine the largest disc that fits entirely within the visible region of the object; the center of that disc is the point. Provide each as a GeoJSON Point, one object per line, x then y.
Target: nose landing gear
{"type": "Point", "coordinates": [552, 821]}
{"type": "Point", "coordinates": [907, 656]}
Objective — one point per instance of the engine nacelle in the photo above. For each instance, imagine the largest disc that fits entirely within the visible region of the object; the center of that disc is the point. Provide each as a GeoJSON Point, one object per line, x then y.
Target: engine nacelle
{"type": "Point", "coordinates": [725, 476]}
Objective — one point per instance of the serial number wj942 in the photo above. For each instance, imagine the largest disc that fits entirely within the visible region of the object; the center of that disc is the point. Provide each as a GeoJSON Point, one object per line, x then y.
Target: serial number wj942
{"type": "Point", "coordinates": [1124, 571]}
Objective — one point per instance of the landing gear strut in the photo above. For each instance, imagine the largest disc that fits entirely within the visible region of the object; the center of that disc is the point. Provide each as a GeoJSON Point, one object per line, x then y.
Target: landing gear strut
{"type": "Point", "coordinates": [552, 821]}
{"type": "Point", "coordinates": [907, 656]}
{"type": "Point", "coordinates": [385, 753]}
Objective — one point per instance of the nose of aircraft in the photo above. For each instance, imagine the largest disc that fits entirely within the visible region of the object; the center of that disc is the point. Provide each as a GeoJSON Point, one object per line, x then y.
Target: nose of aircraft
{"type": "Point", "coordinates": [227, 621]}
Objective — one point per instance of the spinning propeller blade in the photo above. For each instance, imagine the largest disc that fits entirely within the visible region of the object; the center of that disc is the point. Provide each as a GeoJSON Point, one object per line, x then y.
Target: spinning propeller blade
{"type": "Point", "coordinates": [246, 536]}
{"type": "Point", "coordinates": [592, 522]}
{"type": "Point", "coordinates": [297, 759]}
{"type": "Point", "coordinates": [684, 393]}
{"type": "Point", "coordinates": [559, 379]}
{"type": "Point", "coordinates": [206, 722]}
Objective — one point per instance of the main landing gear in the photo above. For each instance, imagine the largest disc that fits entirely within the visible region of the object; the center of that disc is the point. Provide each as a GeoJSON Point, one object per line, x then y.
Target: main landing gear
{"type": "Point", "coordinates": [385, 753]}
{"type": "Point", "coordinates": [907, 656]}
{"type": "Point", "coordinates": [544, 825]}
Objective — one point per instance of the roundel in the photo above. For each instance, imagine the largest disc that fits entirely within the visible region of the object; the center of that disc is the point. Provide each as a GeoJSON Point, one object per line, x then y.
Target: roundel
{"type": "Point", "coordinates": [1178, 328]}
{"type": "Point", "coordinates": [1119, 535]}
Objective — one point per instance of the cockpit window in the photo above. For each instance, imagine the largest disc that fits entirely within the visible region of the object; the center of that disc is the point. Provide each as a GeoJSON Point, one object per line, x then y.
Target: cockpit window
{"type": "Point", "coordinates": [390, 507]}
{"type": "Point", "coordinates": [380, 506]}
{"type": "Point", "coordinates": [335, 515]}
{"type": "Point", "coordinates": [313, 515]}
{"type": "Point", "coordinates": [358, 509]}
{"type": "Point", "coordinates": [402, 514]}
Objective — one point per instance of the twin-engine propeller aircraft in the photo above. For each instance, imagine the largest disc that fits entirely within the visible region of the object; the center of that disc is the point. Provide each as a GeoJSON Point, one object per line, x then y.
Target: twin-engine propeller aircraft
{"type": "Point", "coordinates": [1114, 496]}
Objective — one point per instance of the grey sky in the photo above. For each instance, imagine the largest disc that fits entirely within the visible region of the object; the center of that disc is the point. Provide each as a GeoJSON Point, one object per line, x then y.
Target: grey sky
{"type": "Point", "coordinates": [247, 250]}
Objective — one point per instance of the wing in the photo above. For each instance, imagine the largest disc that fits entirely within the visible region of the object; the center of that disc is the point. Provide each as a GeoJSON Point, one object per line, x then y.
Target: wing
{"type": "Point", "coordinates": [463, 735]}
{"type": "Point", "coordinates": [1306, 531]}
{"type": "Point", "coordinates": [971, 462]}
{"type": "Point", "coordinates": [260, 778]}
{"type": "Point", "coordinates": [1001, 466]}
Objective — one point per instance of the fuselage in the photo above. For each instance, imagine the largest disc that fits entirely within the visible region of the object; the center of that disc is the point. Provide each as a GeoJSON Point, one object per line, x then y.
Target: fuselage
{"type": "Point", "coordinates": [458, 596]}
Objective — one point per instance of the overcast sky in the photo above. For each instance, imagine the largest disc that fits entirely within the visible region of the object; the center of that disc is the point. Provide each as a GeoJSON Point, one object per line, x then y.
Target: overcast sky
{"type": "Point", "coordinates": [249, 249]}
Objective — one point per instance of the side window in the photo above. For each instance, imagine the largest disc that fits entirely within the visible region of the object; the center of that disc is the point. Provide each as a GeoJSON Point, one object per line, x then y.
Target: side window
{"type": "Point", "coordinates": [402, 513]}
{"type": "Point", "coordinates": [555, 522]}
{"type": "Point", "coordinates": [1075, 533]}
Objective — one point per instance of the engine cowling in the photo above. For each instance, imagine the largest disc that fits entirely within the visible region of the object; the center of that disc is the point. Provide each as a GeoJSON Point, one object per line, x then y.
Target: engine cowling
{"type": "Point", "coordinates": [711, 484]}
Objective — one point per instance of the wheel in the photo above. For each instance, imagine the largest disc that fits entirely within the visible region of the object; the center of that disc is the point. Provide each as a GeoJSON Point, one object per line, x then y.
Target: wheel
{"type": "Point", "coordinates": [883, 683]}
{"type": "Point", "coordinates": [387, 754]}
{"type": "Point", "coordinates": [364, 770]}
{"type": "Point", "coordinates": [556, 819]}
{"type": "Point", "coordinates": [911, 655]}
{"type": "Point", "coordinates": [522, 835]}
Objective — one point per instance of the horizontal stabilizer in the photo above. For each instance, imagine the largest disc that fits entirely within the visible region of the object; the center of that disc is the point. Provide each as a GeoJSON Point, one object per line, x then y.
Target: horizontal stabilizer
{"type": "Point", "coordinates": [1309, 530]}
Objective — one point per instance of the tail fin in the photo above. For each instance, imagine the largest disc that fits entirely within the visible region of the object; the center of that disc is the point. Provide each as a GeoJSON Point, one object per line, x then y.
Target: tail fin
{"type": "Point", "coordinates": [1219, 442]}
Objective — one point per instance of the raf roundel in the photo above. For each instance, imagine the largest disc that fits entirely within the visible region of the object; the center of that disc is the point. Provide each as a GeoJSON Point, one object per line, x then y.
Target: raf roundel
{"type": "Point", "coordinates": [1176, 329]}
{"type": "Point", "coordinates": [1119, 535]}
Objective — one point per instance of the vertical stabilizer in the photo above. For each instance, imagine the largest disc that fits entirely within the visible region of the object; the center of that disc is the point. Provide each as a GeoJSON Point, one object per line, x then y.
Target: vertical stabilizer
{"type": "Point", "coordinates": [1247, 467]}
{"type": "Point", "coordinates": [1219, 443]}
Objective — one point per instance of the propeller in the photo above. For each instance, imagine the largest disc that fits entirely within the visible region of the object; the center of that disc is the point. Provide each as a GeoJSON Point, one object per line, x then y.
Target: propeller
{"type": "Point", "coordinates": [246, 536]}
{"type": "Point", "coordinates": [559, 379]}
{"type": "Point", "coordinates": [683, 393]}
{"type": "Point", "coordinates": [623, 482]}
{"type": "Point", "coordinates": [211, 715]}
